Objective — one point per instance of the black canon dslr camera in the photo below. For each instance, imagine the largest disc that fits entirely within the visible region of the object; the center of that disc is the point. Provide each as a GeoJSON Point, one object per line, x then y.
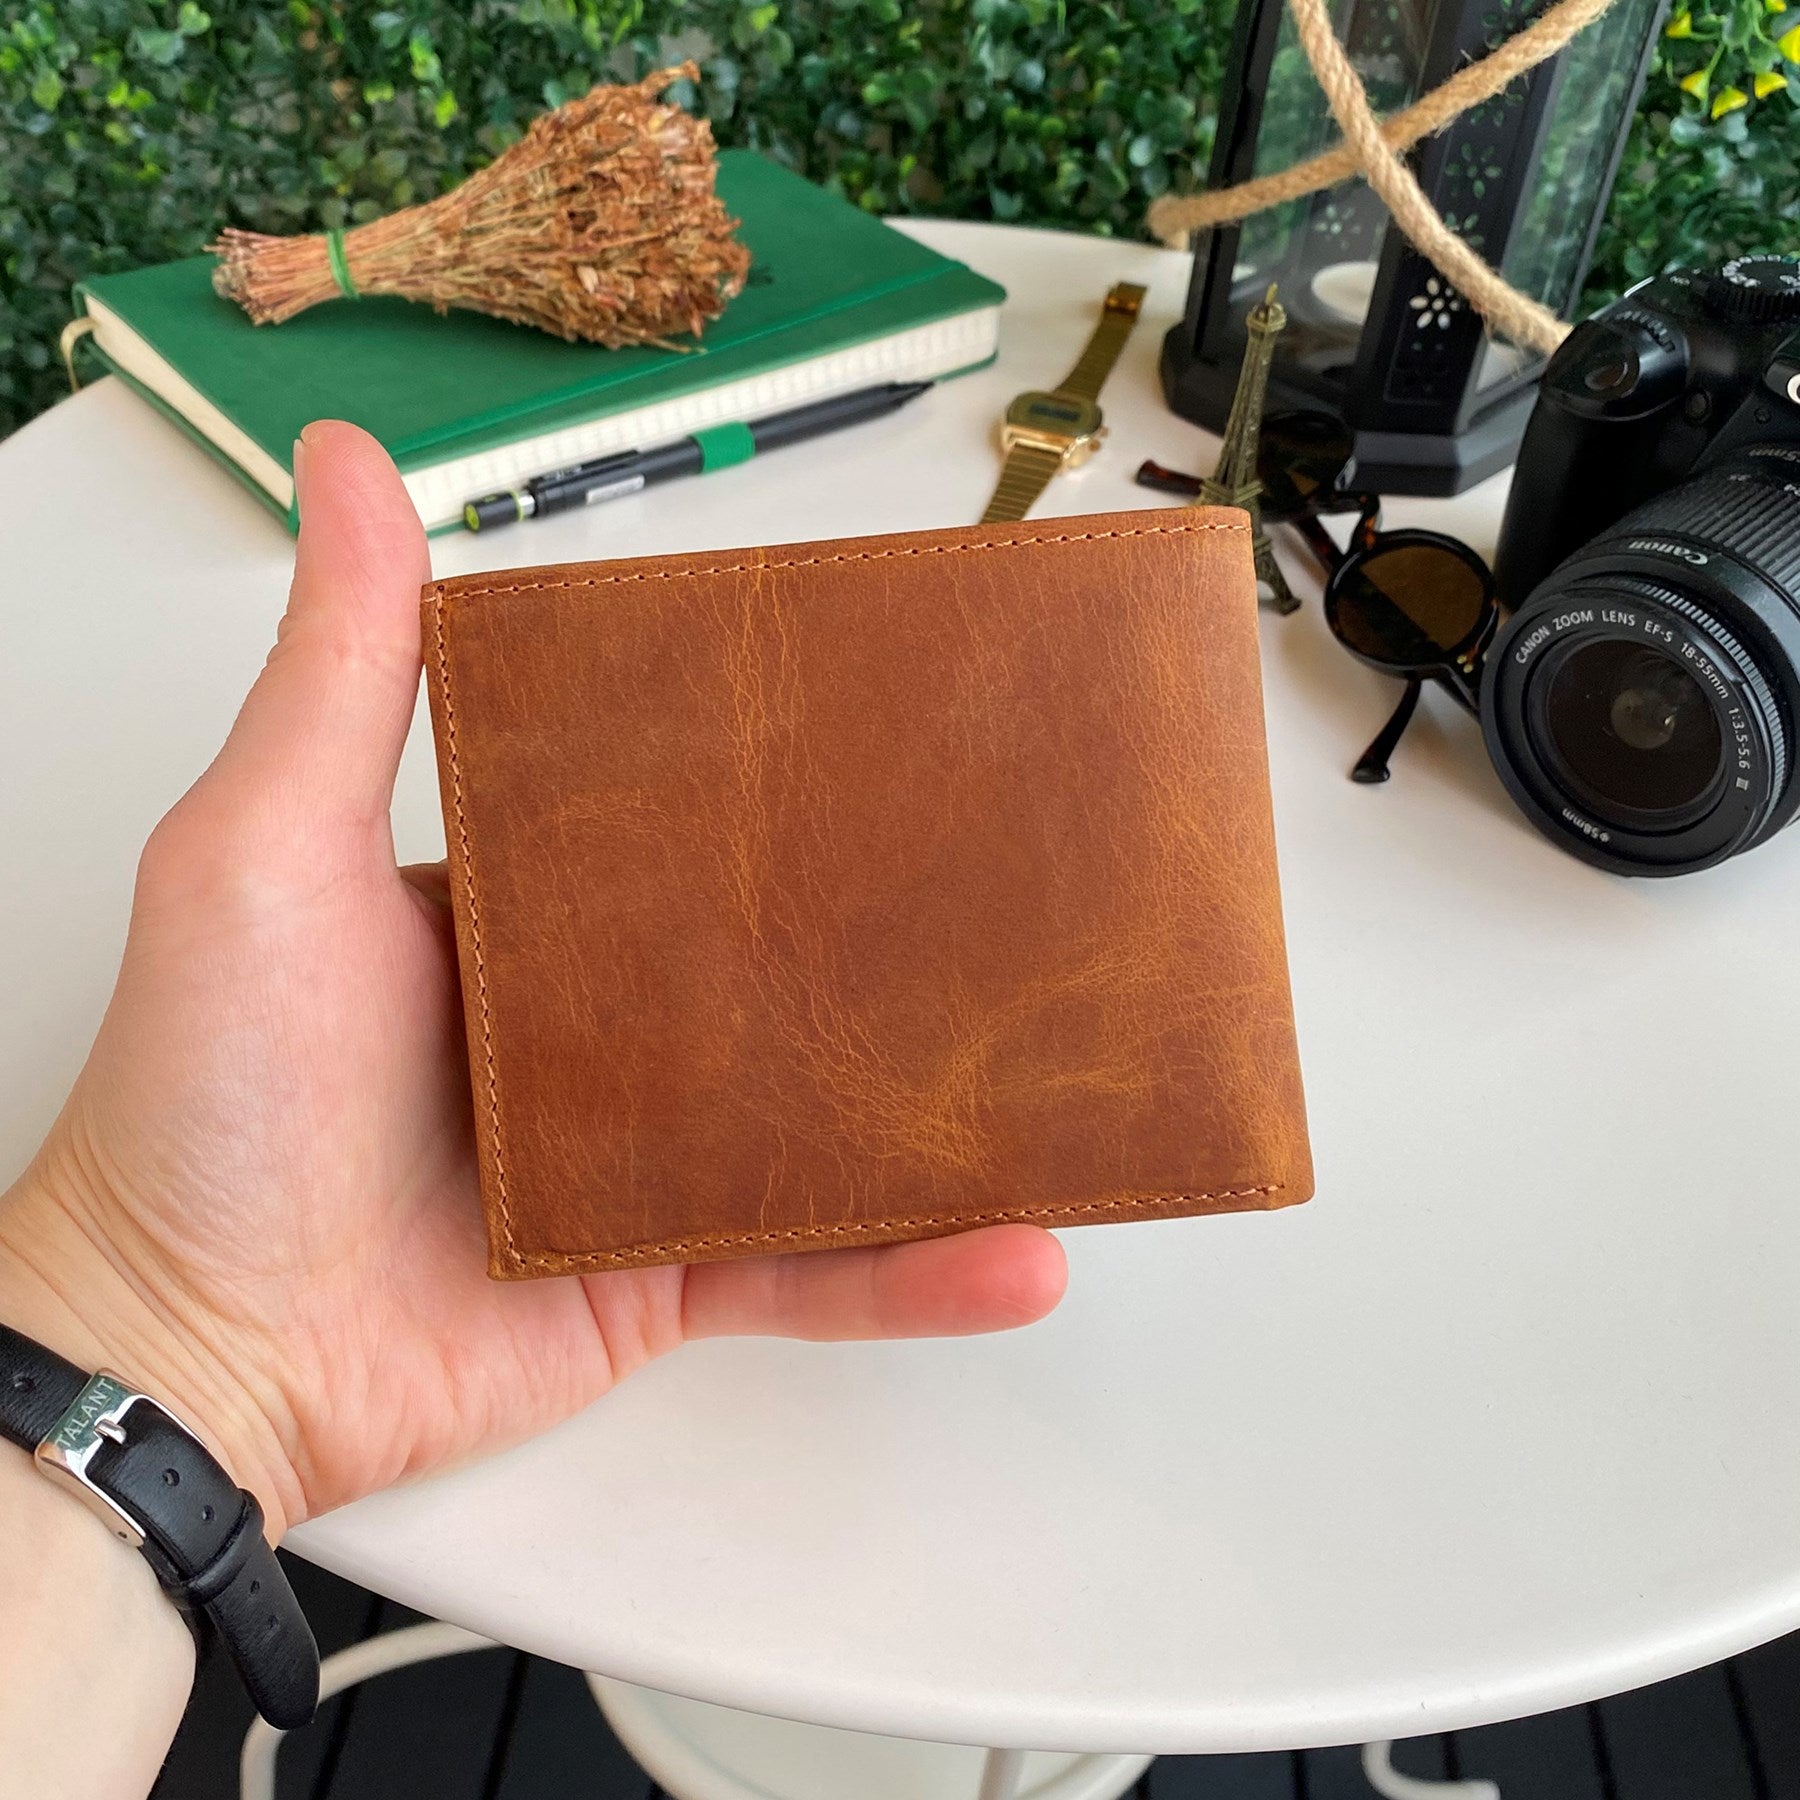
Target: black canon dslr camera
{"type": "Point", "coordinates": [1642, 702]}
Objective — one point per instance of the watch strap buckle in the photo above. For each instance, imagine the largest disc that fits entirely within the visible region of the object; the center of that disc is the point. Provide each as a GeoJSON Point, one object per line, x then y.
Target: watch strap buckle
{"type": "Point", "coordinates": [95, 1417]}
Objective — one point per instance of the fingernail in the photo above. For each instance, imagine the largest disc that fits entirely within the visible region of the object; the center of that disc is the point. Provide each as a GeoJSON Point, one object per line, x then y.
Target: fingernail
{"type": "Point", "coordinates": [299, 458]}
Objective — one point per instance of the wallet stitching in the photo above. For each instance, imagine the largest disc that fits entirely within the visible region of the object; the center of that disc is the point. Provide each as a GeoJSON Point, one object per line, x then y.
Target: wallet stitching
{"type": "Point", "coordinates": [857, 1228]}
{"type": "Point", "coordinates": [813, 562]}
{"type": "Point", "coordinates": [468, 867]}
{"type": "Point", "coordinates": [866, 1227]}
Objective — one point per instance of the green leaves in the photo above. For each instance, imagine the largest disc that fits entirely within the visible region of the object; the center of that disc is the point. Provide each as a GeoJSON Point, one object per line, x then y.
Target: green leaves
{"type": "Point", "coordinates": [130, 130]}
{"type": "Point", "coordinates": [159, 47]}
{"type": "Point", "coordinates": [1712, 165]}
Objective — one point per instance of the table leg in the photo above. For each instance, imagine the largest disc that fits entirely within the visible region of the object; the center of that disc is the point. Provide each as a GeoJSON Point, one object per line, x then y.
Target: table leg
{"type": "Point", "coordinates": [1002, 1775]}
{"type": "Point", "coordinates": [373, 1656]}
{"type": "Point", "coordinates": [1387, 1781]}
{"type": "Point", "coordinates": [696, 1751]}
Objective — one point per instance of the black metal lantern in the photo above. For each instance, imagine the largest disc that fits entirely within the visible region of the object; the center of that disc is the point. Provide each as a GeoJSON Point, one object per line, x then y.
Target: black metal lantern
{"type": "Point", "coordinates": [1375, 334]}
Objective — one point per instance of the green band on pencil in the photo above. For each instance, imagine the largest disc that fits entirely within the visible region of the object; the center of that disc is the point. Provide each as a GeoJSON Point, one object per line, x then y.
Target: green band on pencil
{"type": "Point", "coordinates": [721, 446]}
{"type": "Point", "coordinates": [340, 264]}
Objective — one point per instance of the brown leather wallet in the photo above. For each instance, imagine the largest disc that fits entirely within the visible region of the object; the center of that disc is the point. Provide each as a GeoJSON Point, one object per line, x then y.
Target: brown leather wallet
{"type": "Point", "coordinates": [842, 893]}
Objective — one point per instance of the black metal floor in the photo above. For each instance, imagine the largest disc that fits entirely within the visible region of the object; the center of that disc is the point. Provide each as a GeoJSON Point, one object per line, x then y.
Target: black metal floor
{"type": "Point", "coordinates": [499, 1725]}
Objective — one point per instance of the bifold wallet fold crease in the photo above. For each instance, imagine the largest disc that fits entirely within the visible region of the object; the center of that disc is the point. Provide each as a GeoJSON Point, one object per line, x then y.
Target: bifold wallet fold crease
{"type": "Point", "coordinates": [843, 893]}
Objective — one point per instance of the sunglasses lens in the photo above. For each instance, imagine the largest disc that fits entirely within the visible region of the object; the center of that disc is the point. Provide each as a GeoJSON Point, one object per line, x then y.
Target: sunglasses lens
{"type": "Point", "coordinates": [1408, 605]}
{"type": "Point", "coordinates": [1300, 456]}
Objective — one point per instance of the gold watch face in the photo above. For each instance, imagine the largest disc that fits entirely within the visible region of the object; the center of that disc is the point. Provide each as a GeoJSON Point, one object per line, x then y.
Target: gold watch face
{"type": "Point", "coordinates": [1059, 417]}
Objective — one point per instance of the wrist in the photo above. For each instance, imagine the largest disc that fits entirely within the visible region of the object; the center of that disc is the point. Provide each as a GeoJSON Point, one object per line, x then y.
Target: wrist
{"type": "Point", "coordinates": [82, 1622]}
{"type": "Point", "coordinates": [65, 1282]}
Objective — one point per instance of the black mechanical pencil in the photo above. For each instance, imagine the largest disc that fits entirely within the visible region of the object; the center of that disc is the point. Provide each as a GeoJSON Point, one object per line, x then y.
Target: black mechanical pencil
{"type": "Point", "coordinates": [717, 447]}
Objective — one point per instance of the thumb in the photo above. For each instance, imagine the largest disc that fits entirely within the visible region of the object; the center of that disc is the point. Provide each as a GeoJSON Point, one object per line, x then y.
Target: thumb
{"type": "Point", "coordinates": [318, 739]}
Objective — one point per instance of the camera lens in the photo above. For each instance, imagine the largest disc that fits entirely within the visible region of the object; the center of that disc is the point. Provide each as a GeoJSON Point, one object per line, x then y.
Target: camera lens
{"type": "Point", "coordinates": [1640, 704]}
{"type": "Point", "coordinates": [1632, 730]}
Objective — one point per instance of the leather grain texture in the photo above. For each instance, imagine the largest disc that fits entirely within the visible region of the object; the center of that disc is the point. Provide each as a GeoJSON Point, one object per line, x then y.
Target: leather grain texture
{"type": "Point", "coordinates": [844, 893]}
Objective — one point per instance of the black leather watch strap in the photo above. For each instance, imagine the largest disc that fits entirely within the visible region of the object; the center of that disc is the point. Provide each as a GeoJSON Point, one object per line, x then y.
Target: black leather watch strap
{"type": "Point", "coordinates": [151, 1478]}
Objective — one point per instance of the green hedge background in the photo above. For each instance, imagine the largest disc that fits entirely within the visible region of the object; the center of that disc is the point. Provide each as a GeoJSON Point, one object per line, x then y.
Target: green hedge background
{"type": "Point", "coordinates": [129, 131]}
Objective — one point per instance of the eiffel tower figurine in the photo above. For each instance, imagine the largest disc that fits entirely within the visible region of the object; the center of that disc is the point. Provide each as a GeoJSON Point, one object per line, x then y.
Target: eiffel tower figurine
{"type": "Point", "coordinates": [1234, 481]}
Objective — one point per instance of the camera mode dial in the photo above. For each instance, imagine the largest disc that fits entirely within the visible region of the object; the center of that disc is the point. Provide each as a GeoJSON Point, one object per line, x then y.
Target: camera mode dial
{"type": "Point", "coordinates": [1760, 290]}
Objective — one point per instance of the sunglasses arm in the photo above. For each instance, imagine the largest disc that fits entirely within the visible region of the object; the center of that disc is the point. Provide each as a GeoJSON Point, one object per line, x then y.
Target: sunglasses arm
{"type": "Point", "coordinates": [1318, 540]}
{"type": "Point", "coordinates": [1463, 685]}
{"type": "Point", "coordinates": [1152, 474]}
{"type": "Point", "coordinates": [1372, 765]}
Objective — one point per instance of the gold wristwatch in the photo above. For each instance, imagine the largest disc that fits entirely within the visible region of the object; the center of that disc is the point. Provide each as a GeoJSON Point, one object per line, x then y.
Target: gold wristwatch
{"type": "Point", "coordinates": [1047, 432]}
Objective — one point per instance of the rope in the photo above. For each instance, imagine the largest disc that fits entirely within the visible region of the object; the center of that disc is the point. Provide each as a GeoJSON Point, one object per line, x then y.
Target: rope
{"type": "Point", "coordinates": [1373, 149]}
{"type": "Point", "coordinates": [1175, 216]}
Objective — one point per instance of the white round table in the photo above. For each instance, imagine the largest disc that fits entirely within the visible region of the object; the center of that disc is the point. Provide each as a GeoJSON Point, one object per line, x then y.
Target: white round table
{"type": "Point", "coordinates": [1507, 1418]}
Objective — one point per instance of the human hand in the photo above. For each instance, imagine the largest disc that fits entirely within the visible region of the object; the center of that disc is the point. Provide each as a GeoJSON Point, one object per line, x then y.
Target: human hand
{"type": "Point", "coordinates": [260, 1201]}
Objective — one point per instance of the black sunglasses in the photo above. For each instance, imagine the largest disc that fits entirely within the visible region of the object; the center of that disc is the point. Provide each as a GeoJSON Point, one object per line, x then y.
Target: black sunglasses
{"type": "Point", "coordinates": [1414, 604]}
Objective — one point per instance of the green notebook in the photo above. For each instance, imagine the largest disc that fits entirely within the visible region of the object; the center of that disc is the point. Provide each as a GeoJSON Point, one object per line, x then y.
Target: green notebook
{"type": "Point", "coordinates": [835, 301]}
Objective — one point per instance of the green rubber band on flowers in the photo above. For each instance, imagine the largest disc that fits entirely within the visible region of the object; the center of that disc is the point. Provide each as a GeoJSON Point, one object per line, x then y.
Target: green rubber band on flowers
{"type": "Point", "coordinates": [340, 265]}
